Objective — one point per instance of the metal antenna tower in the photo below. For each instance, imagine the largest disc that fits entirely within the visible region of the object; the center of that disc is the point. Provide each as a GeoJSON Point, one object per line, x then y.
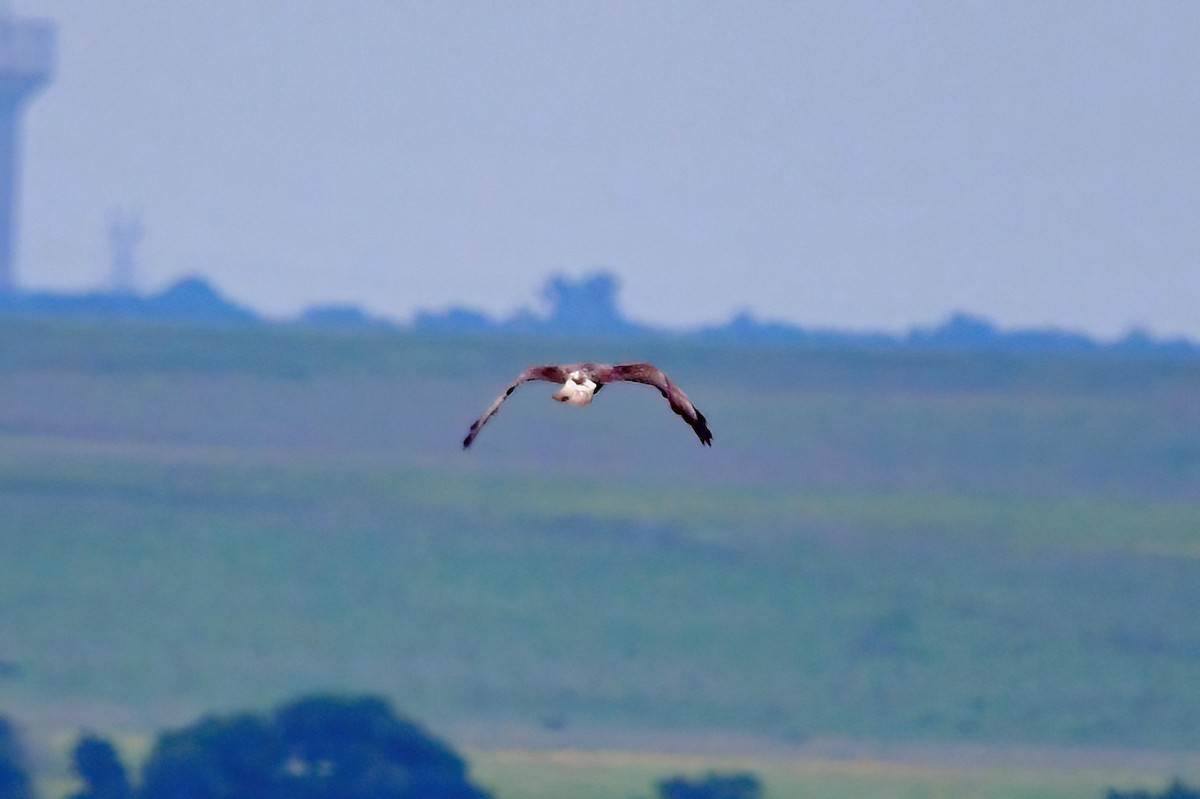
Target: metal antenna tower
{"type": "Point", "coordinates": [124, 233]}
{"type": "Point", "coordinates": [26, 64]}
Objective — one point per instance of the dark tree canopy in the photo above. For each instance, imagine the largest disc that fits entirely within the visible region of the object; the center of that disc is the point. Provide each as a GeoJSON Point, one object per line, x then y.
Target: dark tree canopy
{"type": "Point", "coordinates": [95, 761]}
{"type": "Point", "coordinates": [320, 747]}
{"type": "Point", "coordinates": [712, 786]}
{"type": "Point", "coordinates": [216, 758]}
{"type": "Point", "coordinates": [588, 304]}
{"type": "Point", "coordinates": [14, 779]}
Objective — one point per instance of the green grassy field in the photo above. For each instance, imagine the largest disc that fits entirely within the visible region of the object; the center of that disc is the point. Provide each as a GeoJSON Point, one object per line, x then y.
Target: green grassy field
{"type": "Point", "coordinates": [880, 546]}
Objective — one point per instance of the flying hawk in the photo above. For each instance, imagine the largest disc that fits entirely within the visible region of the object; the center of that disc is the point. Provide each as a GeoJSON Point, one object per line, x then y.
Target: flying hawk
{"type": "Point", "coordinates": [580, 381]}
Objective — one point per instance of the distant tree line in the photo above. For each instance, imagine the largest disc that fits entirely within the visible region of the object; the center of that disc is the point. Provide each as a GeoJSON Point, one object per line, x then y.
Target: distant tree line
{"type": "Point", "coordinates": [191, 299]}
{"type": "Point", "coordinates": [318, 747]}
{"type": "Point", "coordinates": [589, 306]}
{"type": "Point", "coordinates": [585, 306]}
{"type": "Point", "coordinates": [325, 747]}
{"type": "Point", "coordinates": [315, 747]}
{"type": "Point", "coordinates": [1176, 790]}
{"type": "Point", "coordinates": [741, 785]}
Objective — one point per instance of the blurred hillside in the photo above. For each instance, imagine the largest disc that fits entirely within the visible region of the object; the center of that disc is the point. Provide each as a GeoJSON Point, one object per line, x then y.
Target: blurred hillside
{"type": "Point", "coordinates": [881, 545]}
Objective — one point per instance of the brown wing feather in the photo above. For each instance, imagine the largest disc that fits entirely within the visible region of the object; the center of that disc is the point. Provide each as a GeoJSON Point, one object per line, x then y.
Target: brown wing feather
{"type": "Point", "coordinates": [551, 374]}
{"type": "Point", "coordinates": [651, 375]}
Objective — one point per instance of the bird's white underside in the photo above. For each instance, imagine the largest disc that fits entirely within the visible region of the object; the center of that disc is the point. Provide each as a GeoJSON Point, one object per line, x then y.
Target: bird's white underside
{"type": "Point", "coordinates": [576, 393]}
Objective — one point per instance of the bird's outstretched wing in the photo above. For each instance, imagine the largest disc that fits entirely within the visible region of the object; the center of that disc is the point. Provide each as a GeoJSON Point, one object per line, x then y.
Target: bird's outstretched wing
{"type": "Point", "coordinates": [552, 374]}
{"type": "Point", "coordinates": [651, 375]}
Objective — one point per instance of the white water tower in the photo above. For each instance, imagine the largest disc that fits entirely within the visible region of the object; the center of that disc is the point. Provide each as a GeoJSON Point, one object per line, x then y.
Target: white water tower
{"type": "Point", "coordinates": [26, 65]}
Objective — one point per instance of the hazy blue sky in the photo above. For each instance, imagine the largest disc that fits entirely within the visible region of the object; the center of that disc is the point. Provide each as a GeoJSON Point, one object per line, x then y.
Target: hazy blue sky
{"type": "Point", "coordinates": [863, 165]}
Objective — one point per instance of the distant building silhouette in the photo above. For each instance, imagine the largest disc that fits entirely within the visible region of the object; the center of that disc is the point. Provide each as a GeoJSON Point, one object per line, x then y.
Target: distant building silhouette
{"type": "Point", "coordinates": [124, 235]}
{"type": "Point", "coordinates": [26, 64]}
